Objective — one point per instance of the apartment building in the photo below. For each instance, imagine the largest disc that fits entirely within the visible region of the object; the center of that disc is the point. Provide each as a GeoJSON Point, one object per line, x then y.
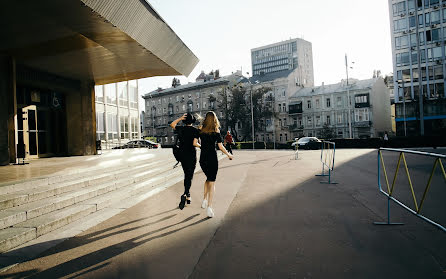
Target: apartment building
{"type": "Point", "coordinates": [362, 107]}
{"type": "Point", "coordinates": [418, 48]}
{"type": "Point", "coordinates": [162, 106]}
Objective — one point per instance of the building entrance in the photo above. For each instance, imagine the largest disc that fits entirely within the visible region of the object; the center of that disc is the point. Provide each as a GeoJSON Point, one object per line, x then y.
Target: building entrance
{"type": "Point", "coordinates": [41, 123]}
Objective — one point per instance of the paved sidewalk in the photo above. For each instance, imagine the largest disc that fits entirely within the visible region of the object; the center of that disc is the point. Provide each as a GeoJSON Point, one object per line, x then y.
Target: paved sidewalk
{"type": "Point", "coordinates": [274, 219]}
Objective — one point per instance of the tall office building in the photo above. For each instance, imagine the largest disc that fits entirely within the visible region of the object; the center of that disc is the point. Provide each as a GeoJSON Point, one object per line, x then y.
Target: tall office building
{"type": "Point", "coordinates": [291, 56]}
{"type": "Point", "coordinates": [418, 47]}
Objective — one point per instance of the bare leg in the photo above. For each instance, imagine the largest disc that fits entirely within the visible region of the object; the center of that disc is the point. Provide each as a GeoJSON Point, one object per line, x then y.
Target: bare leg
{"type": "Point", "coordinates": [206, 190]}
{"type": "Point", "coordinates": [211, 192]}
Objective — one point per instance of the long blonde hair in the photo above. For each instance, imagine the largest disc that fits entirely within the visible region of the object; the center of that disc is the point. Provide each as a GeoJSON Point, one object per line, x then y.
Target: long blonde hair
{"type": "Point", "coordinates": [210, 123]}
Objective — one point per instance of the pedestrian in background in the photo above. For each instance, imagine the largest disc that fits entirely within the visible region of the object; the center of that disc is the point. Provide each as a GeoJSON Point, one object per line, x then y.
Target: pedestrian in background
{"type": "Point", "coordinates": [209, 136]}
{"type": "Point", "coordinates": [228, 142]}
{"type": "Point", "coordinates": [188, 139]}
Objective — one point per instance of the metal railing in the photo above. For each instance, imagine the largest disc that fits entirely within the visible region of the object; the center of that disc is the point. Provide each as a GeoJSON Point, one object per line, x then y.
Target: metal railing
{"type": "Point", "coordinates": [328, 151]}
{"type": "Point", "coordinates": [390, 188]}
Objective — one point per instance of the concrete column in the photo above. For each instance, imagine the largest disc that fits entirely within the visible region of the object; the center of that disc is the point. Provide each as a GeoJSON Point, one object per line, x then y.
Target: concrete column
{"type": "Point", "coordinates": [81, 121]}
{"type": "Point", "coordinates": [8, 110]}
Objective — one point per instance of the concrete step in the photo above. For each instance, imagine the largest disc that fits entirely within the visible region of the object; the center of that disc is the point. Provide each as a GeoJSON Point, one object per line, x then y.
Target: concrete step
{"type": "Point", "coordinates": [76, 174]}
{"type": "Point", "coordinates": [28, 230]}
{"type": "Point", "coordinates": [42, 192]}
{"type": "Point", "coordinates": [53, 212]}
{"type": "Point", "coordinates": [17, 214]}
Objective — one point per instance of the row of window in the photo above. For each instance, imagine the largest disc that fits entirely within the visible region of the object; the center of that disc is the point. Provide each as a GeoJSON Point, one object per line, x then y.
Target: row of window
{"type": "Point", "coordinates": [189, 107]}
{"type": "Point", "coordinates": [125, 92]}
{"type": "Point", "coordinates": [272, 69]}
{"type": "Point", "coordinates": [290, 47]}
{"type": "Point", "coordinates": [400, 7]}
{"type": "Point", "coordinates": [433, 91]}
{"type": "Point", "coordinates": [179, 98]}
{"type": "Point", "coordinates": [328, 103]}
{"type": "Point", "coordinates": [273, 63]}
{"type": "Point", "coordinates": [430, 36]}
{"type": "Point", "coordinates": [111, 129]}
{"type": "Point", "coordinates": [426, 20]}
{"type": "Point", "coordinates": [433, 54]}
{"type": "Point", "coordinates": [164, 120]}
{"type": "Point", "coordinates": [430, 72]}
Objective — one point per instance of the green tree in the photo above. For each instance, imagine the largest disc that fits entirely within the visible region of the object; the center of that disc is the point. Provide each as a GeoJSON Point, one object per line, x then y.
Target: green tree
{"type": "Point", "coordinates": [327, 132]}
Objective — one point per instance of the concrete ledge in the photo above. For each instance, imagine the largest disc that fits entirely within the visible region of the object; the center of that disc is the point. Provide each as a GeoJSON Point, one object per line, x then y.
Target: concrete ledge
{"type": "Point", "coordinates": [10, 218]}
{"type": "Point", "coordinates": [12, 237]}
{"type": "Point", "coordinates": [54, 220]}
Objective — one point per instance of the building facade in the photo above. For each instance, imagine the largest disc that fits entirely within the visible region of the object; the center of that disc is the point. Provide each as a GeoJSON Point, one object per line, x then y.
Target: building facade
{"type": "Point", "coordinates": [294, 55]}
{"type": "Point", "coordinates": [52, 55]}
{"type": "Point", "coordinates": [418, 47]}
{"type": "Point", "coordinates": [318, 110]}
{"type": "Point", "coordinates": [162, 106]}
{"type": "Point", "coordinates": [117, 113]}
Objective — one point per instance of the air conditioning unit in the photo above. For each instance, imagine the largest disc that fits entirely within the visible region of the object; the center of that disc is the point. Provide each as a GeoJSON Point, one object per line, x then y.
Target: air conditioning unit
{"type": "Point", "coordinates": [444, 4]}
{"type": "Point", "coordinates": [403, 15]}
{"type": "Point", "coordinates": [438, 62]}
{"type": "Point", "coordinates": [438, 44]}
{"type": "Point", "coordinates": [411, 30]}
{"type": "Point", "coordinates": [413, 48]}
{"type": "Point", "coordinates": [433, 25]}
{"type": "Point", "coordinates": [435, 7]}
{"type": "Point", "coordinates": [404, 32]}
{"type": "Point", "coordinates": [411, 13]}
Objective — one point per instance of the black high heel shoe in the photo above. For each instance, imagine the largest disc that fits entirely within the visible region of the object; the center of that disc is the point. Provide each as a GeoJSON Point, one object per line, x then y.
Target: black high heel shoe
{"type": "Point", "coordinates": [182, 202]}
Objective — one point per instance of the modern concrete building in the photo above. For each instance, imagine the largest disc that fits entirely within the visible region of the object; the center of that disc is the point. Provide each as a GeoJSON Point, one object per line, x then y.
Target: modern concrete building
{"type": "Point", "coordinates": [311, 110]}
{"type": "Point", "coordinates": [117, 113]}
{"type": "Point", "coordinates": [284, 67]}
{"type": "Point", "coordinates": [52, 55]}
{"type": "Point", "coordinates": [162, 106]}
{"type": "Point", "coordinates": [292, 58]}
{"type": "Point", "coordinates": [418, 35]}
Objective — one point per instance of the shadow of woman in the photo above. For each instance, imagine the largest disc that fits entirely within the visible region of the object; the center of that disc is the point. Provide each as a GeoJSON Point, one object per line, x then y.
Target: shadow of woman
{"type": "Point", "coordinates": [99, 256]}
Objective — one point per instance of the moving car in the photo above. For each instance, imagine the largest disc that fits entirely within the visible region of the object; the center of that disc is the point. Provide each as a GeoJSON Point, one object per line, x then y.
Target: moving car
{"type": "Point", "coordinates": [308, 143]}
{"type": "Point", "coordinates": [139, 144]}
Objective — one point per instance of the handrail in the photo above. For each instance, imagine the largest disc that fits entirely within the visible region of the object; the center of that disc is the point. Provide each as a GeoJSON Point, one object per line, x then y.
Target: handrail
{"type": "Point", "coordinates": [390, 188]}
{"type": "Point", "coordinates": [330, 156]}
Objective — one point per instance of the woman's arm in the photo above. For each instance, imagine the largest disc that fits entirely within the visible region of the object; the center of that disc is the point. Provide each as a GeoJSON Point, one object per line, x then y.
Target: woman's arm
{"type": "Point", "coordinates": [223, 149]}
{"type": "Point", "coordinates": [175, 122]}
{"type": "Point", "coordinates": [196, 143]}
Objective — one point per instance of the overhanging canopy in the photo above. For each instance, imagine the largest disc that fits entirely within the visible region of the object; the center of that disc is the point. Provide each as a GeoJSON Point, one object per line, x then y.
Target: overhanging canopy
{"type": "Point", "coordinates": [101, 40]}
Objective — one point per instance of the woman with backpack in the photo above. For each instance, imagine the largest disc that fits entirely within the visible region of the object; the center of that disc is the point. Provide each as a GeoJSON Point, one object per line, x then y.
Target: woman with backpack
{"type": "Point", "coordinates": [209, 136]}
{"type": "Point", "coordinates": [188, 139]}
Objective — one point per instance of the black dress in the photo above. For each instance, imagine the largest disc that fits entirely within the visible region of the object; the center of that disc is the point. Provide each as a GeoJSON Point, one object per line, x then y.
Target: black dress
{"type": "Point", "coordinates": [187, 134]}
{"type": "Point", "coordinates": [208, 157]}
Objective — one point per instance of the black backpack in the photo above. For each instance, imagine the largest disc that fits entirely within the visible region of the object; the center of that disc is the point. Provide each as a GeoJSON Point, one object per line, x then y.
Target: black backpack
{"type": "Point", "coordinates": [176, 149]}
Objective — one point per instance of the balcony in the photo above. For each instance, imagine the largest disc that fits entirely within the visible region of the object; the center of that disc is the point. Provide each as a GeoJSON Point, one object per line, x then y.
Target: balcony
{"type": "Point", "coordinates": [362, 124]}
{"type": "Point", "coordinates": [296, 127]}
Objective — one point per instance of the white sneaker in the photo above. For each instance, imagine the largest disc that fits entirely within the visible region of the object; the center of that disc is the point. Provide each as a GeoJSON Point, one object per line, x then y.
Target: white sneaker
{"type": "Point", "coordinates": [210, 212]}
{"type": "Point", "coordinates": [204, 204]}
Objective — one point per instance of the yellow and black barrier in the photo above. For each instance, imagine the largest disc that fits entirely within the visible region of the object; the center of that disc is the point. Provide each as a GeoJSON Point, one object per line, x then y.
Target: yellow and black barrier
{"type": "Point", "coordinates": [390, 188]}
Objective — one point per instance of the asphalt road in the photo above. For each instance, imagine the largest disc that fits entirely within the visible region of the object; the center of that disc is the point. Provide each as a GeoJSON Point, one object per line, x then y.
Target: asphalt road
{"type": "Point", "coordinates": [274, 219]}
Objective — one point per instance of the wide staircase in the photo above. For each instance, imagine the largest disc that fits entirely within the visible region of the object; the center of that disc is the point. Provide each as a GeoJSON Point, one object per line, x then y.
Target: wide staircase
{"type": "Point", "coordinates": [31, 209]}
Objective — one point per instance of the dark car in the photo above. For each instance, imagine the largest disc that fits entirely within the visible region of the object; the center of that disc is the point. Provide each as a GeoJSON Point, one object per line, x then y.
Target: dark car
{"type": "Point", "coordinates": [139, 144]}
{"type": "Point", "coordinates": [309, 143]}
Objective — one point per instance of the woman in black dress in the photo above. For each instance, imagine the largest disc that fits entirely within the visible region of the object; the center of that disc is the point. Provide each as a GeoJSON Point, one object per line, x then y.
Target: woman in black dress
{"type": "Point", "coordinates": [188, 139]}
{"type": "Point", "coordinates": [209, 136]}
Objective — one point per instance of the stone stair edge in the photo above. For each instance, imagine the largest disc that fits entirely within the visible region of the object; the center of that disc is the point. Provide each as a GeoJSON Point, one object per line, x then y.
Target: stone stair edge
{"type": "Point", "coordinates": [14, 186]}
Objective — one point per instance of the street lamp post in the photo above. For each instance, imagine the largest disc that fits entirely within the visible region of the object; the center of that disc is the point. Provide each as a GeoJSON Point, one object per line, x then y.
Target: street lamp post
{"type": "Point", "coordinates": [252, 113]}
{"type": "Point", "coordinates": [404, 106]}
{"type": "Point", "coordinates": [348, 100]}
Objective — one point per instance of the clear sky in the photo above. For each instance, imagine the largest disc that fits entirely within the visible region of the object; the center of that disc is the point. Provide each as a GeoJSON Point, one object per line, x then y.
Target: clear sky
{"type": "Point", "coordinates": [222, 33]}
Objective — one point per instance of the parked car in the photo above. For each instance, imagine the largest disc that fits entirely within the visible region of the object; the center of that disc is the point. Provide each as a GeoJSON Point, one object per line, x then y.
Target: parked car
{"type": "Point", "coordinates": [139, 144]}
{"type": "Point", "coordinates": [308, 143]}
